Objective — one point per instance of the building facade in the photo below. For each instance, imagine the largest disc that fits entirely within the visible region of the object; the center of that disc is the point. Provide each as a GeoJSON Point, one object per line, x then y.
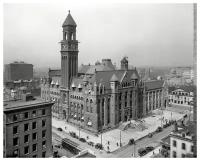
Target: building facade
{"type": "Point", "coordinates": [18, 71]}
{"type": "Point", "coordinates": [96, 97]}
{"type": "Point", "coordinates": [181, 97]}
{"type": "Point", "coordinates": [27, 128]}
{"type": "Point", "coordinates": [182, 142]}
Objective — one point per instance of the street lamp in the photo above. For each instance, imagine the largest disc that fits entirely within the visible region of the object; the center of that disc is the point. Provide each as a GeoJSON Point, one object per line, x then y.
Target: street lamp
{"type": "Point", "coordinates": [120, 141]}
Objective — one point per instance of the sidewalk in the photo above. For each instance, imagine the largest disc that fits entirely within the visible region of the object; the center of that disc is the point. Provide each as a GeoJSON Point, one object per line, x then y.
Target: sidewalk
{"type": "Point", "coordinates": [152, 153]}
{"type": "Point", "coordinates": [84, 146]}
{"type": "Point", "coordinates": [148, 125]}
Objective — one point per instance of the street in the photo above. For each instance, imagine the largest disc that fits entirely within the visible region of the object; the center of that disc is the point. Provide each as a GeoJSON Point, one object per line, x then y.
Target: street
{"type": "Point", "coordinates": [154, 141]}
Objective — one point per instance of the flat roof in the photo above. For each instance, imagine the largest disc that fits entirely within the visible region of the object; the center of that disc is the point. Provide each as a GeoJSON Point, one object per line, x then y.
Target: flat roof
{"type": "Point", "coordinates": [20, 104]}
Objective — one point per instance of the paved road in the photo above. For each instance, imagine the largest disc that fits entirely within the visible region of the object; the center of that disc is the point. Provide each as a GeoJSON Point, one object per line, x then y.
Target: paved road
{"type": "Point", "coordinates": [154, 141]}
{"type": "Point", "coordinates": [98, 153]}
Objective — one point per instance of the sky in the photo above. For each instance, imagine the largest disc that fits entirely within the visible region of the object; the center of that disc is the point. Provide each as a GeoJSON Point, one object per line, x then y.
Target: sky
{"type": "Point", "coordinates": [148, 34]}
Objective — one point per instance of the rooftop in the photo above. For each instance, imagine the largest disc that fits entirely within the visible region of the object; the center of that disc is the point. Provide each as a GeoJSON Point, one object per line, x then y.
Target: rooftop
{"type": "Point", "coordinates": [20, 104]}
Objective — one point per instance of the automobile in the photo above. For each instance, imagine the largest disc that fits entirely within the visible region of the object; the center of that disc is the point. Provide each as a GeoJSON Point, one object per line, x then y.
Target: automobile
{"type": "Point", "coordinates": [149, 148]}
{"type": "Point", "coordinates": [72, 134]}
{"type": "Point", "coordinates": [82, 140]}
{"type": "Point", "coordinates": [57, 146]}
{"type": "Point", "coordinates": [142, 152]}
{"type": "Point", "coordinates": [131, 141]}
{"type": "Point", "coordinates": [99, 146]}
{"type": "Point", "coordinates": [150, 135]}
{"type": "Point", "coordinates": [59, 129]}
{"type": "Point", "coordinates": [91, 143]}
{"type": "Point", "coordinates": [159, 129]}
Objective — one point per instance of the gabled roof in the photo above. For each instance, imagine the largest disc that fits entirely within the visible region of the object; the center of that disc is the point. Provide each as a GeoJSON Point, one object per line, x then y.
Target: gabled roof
{"type": "Point", "coordinates": [153, 84]}
{"type": "Point", "coordinates": [69, 21]}
{"type": "Point", "coordinates": [134, 76]}
{"type": "Point", "coordinates": [114, 78]}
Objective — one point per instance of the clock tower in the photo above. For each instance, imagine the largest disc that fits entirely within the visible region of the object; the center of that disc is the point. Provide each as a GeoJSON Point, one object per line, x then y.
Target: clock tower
{"type": "Point", "coordinates": [69, 52]}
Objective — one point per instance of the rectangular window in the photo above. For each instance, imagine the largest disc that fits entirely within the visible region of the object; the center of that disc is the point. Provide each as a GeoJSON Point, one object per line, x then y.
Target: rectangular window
{"type": "Point", "coordinates": [16, 153]}
{"type": "Point", "coordinates": [43, 144]}
{"type": "Point", "coordinates": [174, 154]}
{"type": "Point", "coordinates": [183, 146]}
{"type": "Point", "coordinates": [43, 112]}
{"type": "Point", "coordinates": [26, 138]}
{"type": "Point", "coordinates": [15, 141]}
{"type": "Point", "coordinates": [174, 143]}
{"type": "Point", "coordinates": [91, 109]}
{"type": "Point", "coordinates": [26, 115]}
{"type": "Point", "coordinates": [43, 123]}
{"type": "Point", "coordinates": [34, 147]}
{"type": "Point", "coordinates": [192, 148]}
{"type": "Point", "coordinates": [14, 117]}
{"type": "Point", "coordinates": [34, 136]}
{"type": "Point", "coordinates": [183, 155]}
{"type": "Point", "coordinates": [26, 127]}
{"type": "Point", "coordinates": [43, 154]}
{"type": "Point", "coordinates": [34, 113]}
{"type": "Point", "coordinates": [43, 133]}
{"type": "Point", "coordinates": [26, 150]}
{"type": "Point", "coordinates": [34, 125]}
{"type": "Point", "coordinates": [15, 129]}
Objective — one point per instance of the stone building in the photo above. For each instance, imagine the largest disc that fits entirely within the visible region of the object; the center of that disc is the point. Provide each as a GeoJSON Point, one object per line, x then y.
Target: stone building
{"type": "Point", "coordinates": [96, 97]}
{"type": "Point", "coordinates": [27, 128]}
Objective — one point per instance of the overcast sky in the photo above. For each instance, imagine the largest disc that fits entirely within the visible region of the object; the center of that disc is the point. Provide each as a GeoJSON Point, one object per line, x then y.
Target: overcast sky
{"type": "Point", "coordinates": [149, 34]}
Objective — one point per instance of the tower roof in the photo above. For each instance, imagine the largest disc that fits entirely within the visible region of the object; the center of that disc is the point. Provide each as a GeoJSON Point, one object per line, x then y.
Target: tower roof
{"type": "Point", "coordinates": [69, 21]}
{"type": "Point", "coordinates": [114, 78]}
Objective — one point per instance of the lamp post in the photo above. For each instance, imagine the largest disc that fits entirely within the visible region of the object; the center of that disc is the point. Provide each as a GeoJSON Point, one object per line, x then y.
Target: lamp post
{"type": "Point", "coordinates": [120, 141]}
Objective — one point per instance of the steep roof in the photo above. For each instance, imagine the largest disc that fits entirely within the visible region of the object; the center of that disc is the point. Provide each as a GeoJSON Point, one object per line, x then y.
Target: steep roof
{"type": "Point", "coordinates": [114, 78]}
{"type": "Point", "coordinates": [69, 21]}
{"type": "Point", "coordinates": [153, 84]}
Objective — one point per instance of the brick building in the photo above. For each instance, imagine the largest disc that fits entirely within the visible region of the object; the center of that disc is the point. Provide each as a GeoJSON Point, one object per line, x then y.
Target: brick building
{"type": "Point", "coordinates": [27, 128]}
{"type": "Point", "coordinates": [96, 97]}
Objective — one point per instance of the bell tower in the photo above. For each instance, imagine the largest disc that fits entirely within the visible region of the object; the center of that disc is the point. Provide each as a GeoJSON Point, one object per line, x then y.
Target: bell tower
{"type": "Point", "coordinates": [69, 52]}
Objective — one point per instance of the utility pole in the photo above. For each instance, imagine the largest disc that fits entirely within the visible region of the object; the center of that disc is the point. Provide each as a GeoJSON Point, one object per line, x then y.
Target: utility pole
{"type": "Point", "coordinates": [120, 141]}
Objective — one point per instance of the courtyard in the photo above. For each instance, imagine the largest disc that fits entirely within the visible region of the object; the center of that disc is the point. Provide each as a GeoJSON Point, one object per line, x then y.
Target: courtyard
{"type": "Point", "coordinates": [126, 131]}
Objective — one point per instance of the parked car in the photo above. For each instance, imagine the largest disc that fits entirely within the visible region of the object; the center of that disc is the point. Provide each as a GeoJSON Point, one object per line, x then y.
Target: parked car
{"type": "Point", "coordinates": [59, 129]}
{"type": "Point", "coordinates": [131, 141]}
{"type": "Point", "coordinates": [57, 146]}
{"type": "Point", "coordinates": [142, 152]}
{"type": "Point", "coordinates": [159, 129]}
{"type": "Point", "coordinates": [99, 146]}
{"type": "Point", "coordinates": [72, 134]}
{"type": "Point", "coordinates": [91, 143]}
{"type": "Point", "coordinates": [149, 148]}
{"type": "Point", "coordinates": [150, 135]}
{"type": "Point", "coordinates": [82, 140]}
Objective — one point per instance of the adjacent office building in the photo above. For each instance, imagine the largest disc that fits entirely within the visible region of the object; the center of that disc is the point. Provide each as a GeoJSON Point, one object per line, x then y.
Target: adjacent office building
{"type": "Point", "coordinates": [27, 128]}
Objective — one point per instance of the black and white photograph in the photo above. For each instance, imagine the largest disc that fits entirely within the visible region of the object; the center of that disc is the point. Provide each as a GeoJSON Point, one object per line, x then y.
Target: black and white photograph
{"type": "Point", "coordinates": [99, 80]}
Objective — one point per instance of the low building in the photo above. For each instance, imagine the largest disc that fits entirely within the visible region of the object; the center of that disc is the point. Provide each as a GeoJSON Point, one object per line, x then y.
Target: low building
{"type": "Point", "coordinates": [181, 96]}
{"type": "Point", "coordinates": [182, 141]}
{"type": "Point", "coordinates": [165, 150]}
{"type": "Point", "coordinates": [27, 128]}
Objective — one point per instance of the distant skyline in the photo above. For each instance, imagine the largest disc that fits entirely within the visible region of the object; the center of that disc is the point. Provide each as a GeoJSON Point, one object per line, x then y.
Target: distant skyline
{"type": "Point", "coordinates": [148, 34]}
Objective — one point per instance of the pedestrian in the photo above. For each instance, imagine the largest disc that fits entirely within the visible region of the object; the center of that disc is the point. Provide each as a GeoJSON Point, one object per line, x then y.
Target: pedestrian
{"type": "Point", "coordinates": [117, 144]}
{"type": "Point", "coordinates": [108, 142]}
